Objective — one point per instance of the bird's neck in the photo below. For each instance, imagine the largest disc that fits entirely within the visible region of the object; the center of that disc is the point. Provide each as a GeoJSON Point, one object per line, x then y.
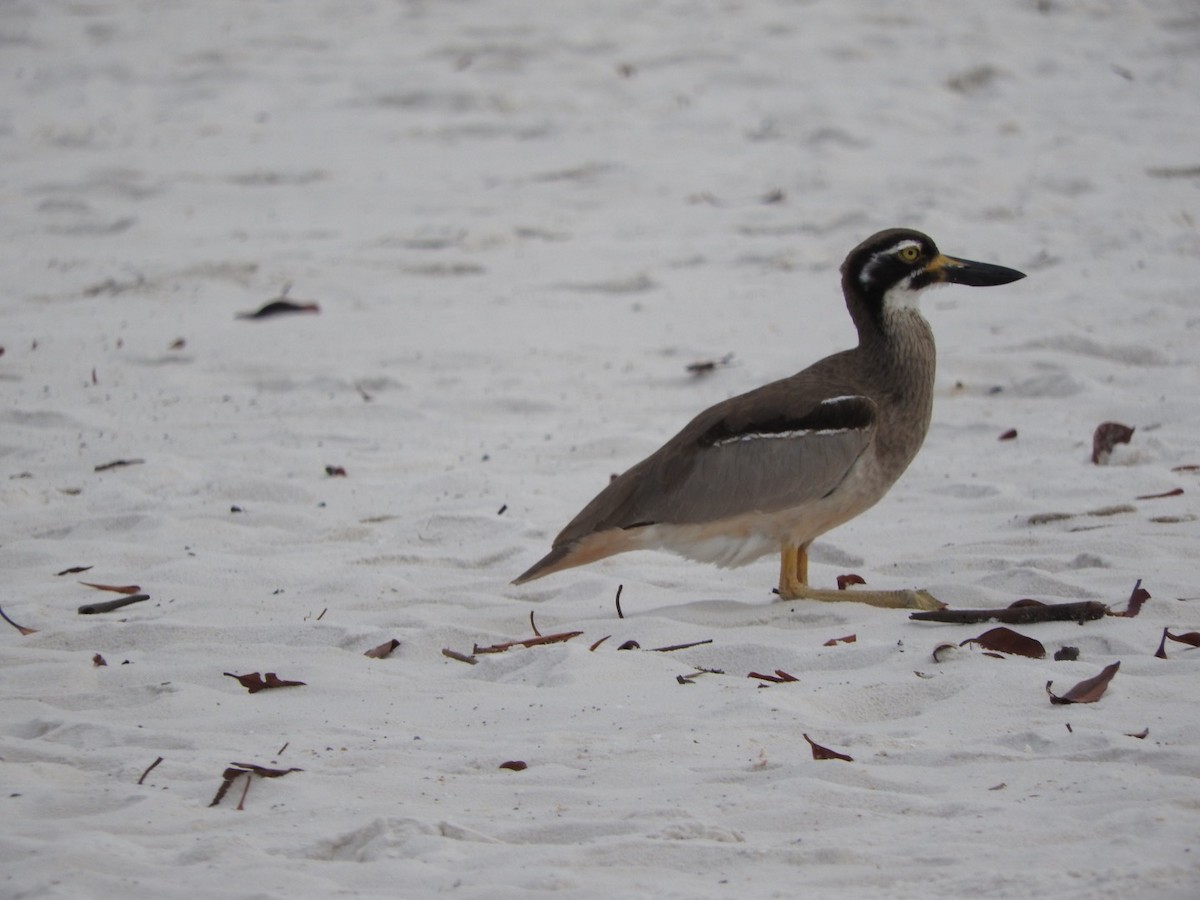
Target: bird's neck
{"type": "Point", "coordinates": [902, 358]}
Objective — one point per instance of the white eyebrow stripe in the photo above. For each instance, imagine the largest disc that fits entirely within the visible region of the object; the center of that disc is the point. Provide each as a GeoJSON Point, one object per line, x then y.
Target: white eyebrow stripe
{"type": "Point", "coordinates": [866, 277]}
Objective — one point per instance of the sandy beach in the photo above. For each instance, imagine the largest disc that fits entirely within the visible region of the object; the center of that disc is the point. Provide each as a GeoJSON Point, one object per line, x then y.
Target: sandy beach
{"type": "Point", "coordinates": [522, 226]}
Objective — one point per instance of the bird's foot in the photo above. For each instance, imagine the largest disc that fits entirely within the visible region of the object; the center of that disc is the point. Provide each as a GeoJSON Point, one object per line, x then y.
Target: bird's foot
{"type": "Point", "coordinates": [905, 599]}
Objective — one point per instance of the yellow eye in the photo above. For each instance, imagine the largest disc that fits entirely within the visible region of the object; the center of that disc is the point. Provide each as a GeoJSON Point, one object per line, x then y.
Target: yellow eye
{"type": "Point", "coordinates": [910, 253]}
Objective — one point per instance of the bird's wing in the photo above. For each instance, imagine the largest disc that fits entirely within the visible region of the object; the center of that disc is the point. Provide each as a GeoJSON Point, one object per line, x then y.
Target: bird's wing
{"type": "Point", "coordinates": [775, 448]}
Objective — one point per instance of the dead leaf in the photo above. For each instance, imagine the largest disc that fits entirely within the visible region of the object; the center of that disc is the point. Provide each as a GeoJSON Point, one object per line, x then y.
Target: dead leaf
{"type": "Point", "coordinates": [1087, 691]}
{"type": "Point", "coordinates": [178, 344]}
{"type": "Point", "coordinates": [1141, 735]}
{"type": "Point", "coordinates": [820, 752]}
{"type": "Point", "coordinates": [461, 657]}
{"type": "Point", "coordinates": [1187, 468]}
{"type": "Point", "coordinates": [599, 642]}
{"type": "Point", "coordinates": [515, 765]}
{"type": "Point", "coordinates": [99, 661]}
{"type": "Point", "coordinates": [1106, 436]}
{"type": "Point", "coordinates": [21, 628]}
{"type": "Point", "coordinates": [237, 770]}
{"type": "Point", "coordinates": [848, 639]}
{"type": "Point", "coordinates": [1137, 597]}
{"type": "Point", "coordinates": [74, 570]}
{"type": "Point", "coordinates": [254, 682]}
{"type": "Point", "coordinates": [1174, 492]}
{"type": "Point", "coordinates": [383, 650]}
{"type": "Point", "coordinates": [1009, 435]}
{"type": "Point", "coordinates": [117, 464]}
{"type": "Point", "coordinates": [1191, 638]}
{"type": "Point", "coordinates": [844, 581]}
{"type": "Point", "coordinates": [780, 677]}
{"type": "Point", "coordinates": [116, 589]}
{"type": "Point", "coordinates": [1067, 654]}
{"type": "Point", "coordinates": [335, 471]}
{"type": "Point", "coordinates": [941, 651]}
{"type": "Point", "coordinates": [1005, 640]}
{"type": "Point", "coordinates": [278, 308]}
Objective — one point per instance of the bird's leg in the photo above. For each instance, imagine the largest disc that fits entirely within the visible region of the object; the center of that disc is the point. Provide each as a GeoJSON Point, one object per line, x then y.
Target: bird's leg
{"type": "Point", "coordinates": [793, 585]}
{"type": "Point", "coordinates": [793, 572]}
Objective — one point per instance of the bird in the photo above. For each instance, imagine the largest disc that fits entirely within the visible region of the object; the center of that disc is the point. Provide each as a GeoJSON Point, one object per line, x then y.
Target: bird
{"type": "Point", "coordinates": [772, 469]}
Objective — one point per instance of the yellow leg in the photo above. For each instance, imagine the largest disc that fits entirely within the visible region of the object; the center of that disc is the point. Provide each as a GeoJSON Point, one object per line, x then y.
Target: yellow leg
{"type": "Point", "coordinates": [793, 585]}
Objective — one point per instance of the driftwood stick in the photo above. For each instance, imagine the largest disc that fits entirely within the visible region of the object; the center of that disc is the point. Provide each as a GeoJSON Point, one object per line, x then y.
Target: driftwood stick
{"type": "Point", "coordinates": [680, 646]}
{"type": "Point", "coordinates": [528, 642]}
{"type": "Point", "coordinates": [89, 609]}
{"type": "Point", "coordinates": [1083, 611]}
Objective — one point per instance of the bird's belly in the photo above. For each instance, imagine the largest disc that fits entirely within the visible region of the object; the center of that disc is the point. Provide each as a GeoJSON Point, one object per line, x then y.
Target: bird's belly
{"type": "Point", "coordinates": [741, 539]}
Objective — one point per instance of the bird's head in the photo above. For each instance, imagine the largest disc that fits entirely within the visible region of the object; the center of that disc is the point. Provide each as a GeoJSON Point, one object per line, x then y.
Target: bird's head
{"type": "Point", "coordinates": [888, 271]}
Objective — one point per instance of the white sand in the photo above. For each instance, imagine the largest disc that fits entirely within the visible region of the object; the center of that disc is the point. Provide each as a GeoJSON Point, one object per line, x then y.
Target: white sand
{"type": "Point", "coordinates": [522, 221]}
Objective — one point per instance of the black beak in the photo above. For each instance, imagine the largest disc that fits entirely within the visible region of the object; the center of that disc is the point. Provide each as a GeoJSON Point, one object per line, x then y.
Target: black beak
{"type": "Point", "coordinates": [976, 274]}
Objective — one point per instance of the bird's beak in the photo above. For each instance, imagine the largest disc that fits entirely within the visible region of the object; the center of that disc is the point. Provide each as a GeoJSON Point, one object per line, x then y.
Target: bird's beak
{"type": "Point", "coordinates": [966, 271]}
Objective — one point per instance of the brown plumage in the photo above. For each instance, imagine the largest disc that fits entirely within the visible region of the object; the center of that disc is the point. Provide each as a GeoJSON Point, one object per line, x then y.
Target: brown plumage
{"type": "Point", "coordinates": [774, 468]}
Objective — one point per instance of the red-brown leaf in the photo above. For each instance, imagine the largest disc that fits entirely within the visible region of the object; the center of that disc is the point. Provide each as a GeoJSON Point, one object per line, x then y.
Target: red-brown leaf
{"type": "Point", "coordinates": [844, 581]}
{"type": "Point", "coordinates": [1087, 691]}
{"type": "Point", "coordinates": [1005, 640]}
{"type": "Point", "coordinates": [515, 765]}
{"type": "Point", "coordinates": [1174, 492]}
{"type": "Point", "coordinates": [848, 639]}
{"type": "Point", "coordinates": [820, 752]}
{"type": "Point", "coordinates": [1137, 597]}
{"type": "Point", "coordinates": [279, 307]}
{"type": "Point", "coordinates": [1009, 435]}
{"type": "Point", "coordinates": [1191, 638]}
{"type": "Point", "coordinates": [1106, 436]}
{"type": "Point", "coordinates": [74, 570]}
{"type": "Point", "coordinates": [21, 628]}
{"type": "Point", "coordinates": [115, 588]}
{"type": "Point", "coordinates": [254, 682]}
{"type": "Point", "coordinates": [99, 660]}
{"type": "Point", "coordinates": [383, 650]}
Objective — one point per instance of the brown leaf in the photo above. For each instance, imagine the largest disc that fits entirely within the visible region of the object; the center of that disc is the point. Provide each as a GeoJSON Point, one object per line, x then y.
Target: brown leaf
{"type": "Point", "coordinates": [1174, 492]}
{"type": "Point", "coordinates": [116, 589]}
{"type": "Point", "coordinates": [844, 581]}
{"type": "Point", "coordinates": [1187, 468]}
{"type": "Point", "coordinates": [1106, 436]}
{"type": "Point", "coordinates": [278, 308]}
{"type": "Point", "coordinates": [383, 650]}
{"type": "Point", "coordinates": [630, 645]}
{"type": "Point", "coordinates": [117, 464]}
{"type": "Point", "coordinates": [178, 344]}
{"type": "Point", "coordinates": [335, 471]}
{"type": "Point", "coordinates": [1141, 735]}
{"type": "Point", "coordinates": [515, 765]}
{"type": "Point", "coordinates": [780, 677]}
{"type": "Point", "coordinates": [1009, 435]}
{"type": "Point", "coordinates": [74, 570]}
{"type": "Point", "coordinates": [21, 628]}
{"type": "Point", "coordinates": [941, 651]}
{"type": "Point", "coordinates": [237, 770]}
{"type": "Point", "coordinates": [1191, 638]}
{"type": "Point", "coordinates": [1005, 640]}
{"type": "Point", "coordinates": [820, 752]}
{"type": "Point", "coordinates": [848, 639]}
{"type": "Point", "coordinates": [99, 661]}
{"type": "Point", "coordinates": [1087, 691]}
{"type": "Point", "coordinates": [1137, 597]}
{"type": "Point", "coordinates": [599, 642]}
{"type": "Point", "coordinates": [254, 682]}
